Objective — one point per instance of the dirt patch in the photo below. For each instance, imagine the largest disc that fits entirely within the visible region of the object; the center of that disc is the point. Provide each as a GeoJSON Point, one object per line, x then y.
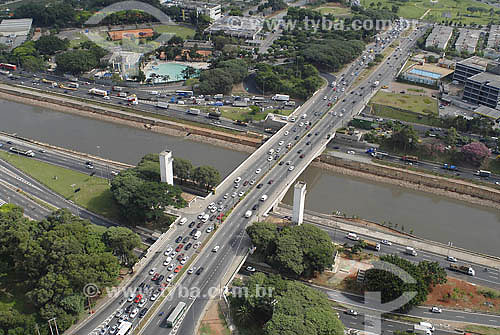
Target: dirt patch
{"type": "Point", "coordinates": [458, 294]}
{"type": "Point", "coordinates": [213, 322]}
{"type": "Point", "coordinates": [397, 87]}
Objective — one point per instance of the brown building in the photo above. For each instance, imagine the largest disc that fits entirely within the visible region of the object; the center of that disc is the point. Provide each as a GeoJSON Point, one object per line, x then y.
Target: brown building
{"type": "Point", "coordinates": [118, 35]}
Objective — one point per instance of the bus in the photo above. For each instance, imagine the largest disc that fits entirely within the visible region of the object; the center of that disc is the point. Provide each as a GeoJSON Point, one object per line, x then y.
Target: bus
{"type": "Point", "coordinates": [177, 313]}
{"type": "Point", "coordinates": [124, 328]}
{"type": "Point", "coordinates": [29, 153]}
{"type": "Point", "coordinates": [8, 66]}
{"type": "Point", "coordinates": [184, 93]}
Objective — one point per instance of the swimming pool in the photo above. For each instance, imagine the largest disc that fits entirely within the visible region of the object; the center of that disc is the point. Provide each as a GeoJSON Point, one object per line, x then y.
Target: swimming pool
{"type": "Point", "coordinates": [172, 70]}
{"type": "Point", "coordinates": [425, 73]}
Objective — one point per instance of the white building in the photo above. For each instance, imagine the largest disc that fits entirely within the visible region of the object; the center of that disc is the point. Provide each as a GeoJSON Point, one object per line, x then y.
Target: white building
{"type": "Point", "coordinates": [212, 10]}
{"type": "Point", "coordinates": [237, 26]}
{"type": "Point", "coordinates": [467, 40]}
{"type": "Point", "coordinates": [299, 199]}
{"type": "Point", "coordinates": [439, 37]}
{"type": "Point", "coordinates": [14, 32]}
{"type": "Point", "coordinates": [125, 62]}
{"type": "Point", "coordinates": [166, 167]}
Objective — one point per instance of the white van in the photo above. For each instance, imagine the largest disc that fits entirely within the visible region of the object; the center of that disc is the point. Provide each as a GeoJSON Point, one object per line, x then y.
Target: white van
{"type": "Point", "coordinates": [153, 92]}
{"type": "Point", "coordinates": [304, 115]}
{"type": "Point", "coordinates": [197, 235]}
{"type": "Point", "coordinates": [264, 197]}
{"type": "Point", "coordinates": [428, 325]}
{"type": "Point", "coordinates": [248, 214]}
{"type": "Point", "coordinates": [182, 221]}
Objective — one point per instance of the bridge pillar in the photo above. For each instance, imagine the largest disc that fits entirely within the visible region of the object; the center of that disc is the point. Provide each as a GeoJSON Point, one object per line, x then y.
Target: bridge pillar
{"type": "Point", "coordinates": [299, 198]}
{"type": "Point", "coordinates": [166, 167]}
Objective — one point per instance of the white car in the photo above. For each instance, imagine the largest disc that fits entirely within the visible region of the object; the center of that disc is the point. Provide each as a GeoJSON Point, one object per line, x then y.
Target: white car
{"type": "Point", "coordinates": [216, 248]}
{"type": "Point", "coordinates": [122, 318]}
{"type": "Point", "coordinates": [451, 259]}
{"type": "Point", "coordinates": [168, 251]}
{"type": "Point", "coordinates": [133, 313]}
{"type": "Point", "coordinates": [190, 271]}
{"type": "Point", "coordinates": [250, 269]}
{"type": "Point", "coordinates": [226, 196]}
{"type": "Point", "coordinates": [325, 97]}
{"type": "Point", "coordinates": [209, 230]}
{"type": "Point", "coordinates": [352, 236]}
{"type": "Point", "coordinates": [234, 194]}
{"type": "Point", "coordinates": [278, 150]}
{"type": "Point", "coordinates": [212, 204]}
{"type": "Point", "coordinates": [213, 210]}
{"type": "Point", "coordinates": [170, 277]}
{"type": "Point", "coordinates": [200, 216]}
{"type": "Point", "coordinates": [171, 267]}
{"type": "Point", "coordinates": [154, 296]}
{"type": "Point", "coordinates": [259, 170]}
{"type": "Point", "coordinates": [436, 310]}
{"type": "Point", "coordinates": [270, 158]}
{"type": "Point", "coordinates": [291, 167]}
{"type": "Point", "coordinates": [119, 313]}
{"type": "Point", "coordinates": [301, 124]}
{"type": "Point", "coordinates": [242, 193]}
{"type": "Point", "coordinates": [196, 245]}
{"type": "Point", "coordinates": [142, 303]}
{"type": "Point", "coordinates": [113, 329]}
{"type": "Point", "coordinates": [252, 181]}
{"type": "Point", "coordinates": [352, 312]}
{"type": "Point", "coordinates": [167, 261]}
{"type": "Point", "coordinates": [281, 142]}
{"type": "Point", "coordinates": [386, 242]}
{"type": "Point", "coordinates": [351, 152]}
{"type": "Point", "coordinates": [184, 260]}
{"type": "Point", "coordinates": [131, 298]}
{"type": "Point", "coordinates": [286, 133]}
{"type": "Point", "coordinates": [237, 180]}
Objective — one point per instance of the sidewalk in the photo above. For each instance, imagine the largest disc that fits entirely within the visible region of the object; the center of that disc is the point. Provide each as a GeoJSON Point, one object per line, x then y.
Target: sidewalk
{"type": "Point", "coordinates": [408, 240]}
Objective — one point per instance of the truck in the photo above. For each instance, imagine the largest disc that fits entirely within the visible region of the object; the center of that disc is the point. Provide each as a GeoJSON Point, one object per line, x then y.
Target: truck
{"type": "Point", "coordinates": [410, 251]}
{"type": "Point", "coordinates": [66, 87]}
{"type": "Point", "coordinates": [372, 245]}
{"type": "Point", "coordinates": [214, 115]}
{"type": "Point", "coordinates": [375, 83]}
{"type": "Point", "coordinates": [162, 104]}
{"type": "Point", "coordinates": [421, 330]}
{"type": "Point", "coordinates": [193, 111]}
{"type": "Point", "coordinates": [483, 173]}
{"type": "Point", "coordinates": [240, 103]}
{"type": "Point", "coordinates": [281, 97]}
{"type": "Point", "coordinates": [248, 214]}
{"type": "Point", "coordinates": [121, 94]}
{"type": "Point", "coordinates": [451, 167]}
{"type": "Point", "coordinates": [117, 88]}
{"type": "Point", "coordinates": [96, 91]}
{"type": "Point", "coordinates": [428, 325]}
{"type": "Point", "coordinates": [24, 152]}
{"type": "Point", "coordinates": [411, 159]}
{"type": "Point", "coordinates": [468, 270]}
{"type": "Point", "coordinates": [73, 85]}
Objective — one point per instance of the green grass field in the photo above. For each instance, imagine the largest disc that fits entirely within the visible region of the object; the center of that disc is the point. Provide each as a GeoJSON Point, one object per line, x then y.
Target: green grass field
{"type": "Point", "coordinates": [182, 31]}
{"type": "Point", "coordinates": [414, 9]}
{"type": "Point", "coordinates": [412, 103]}
{"type": "Point", "coordinates": [94, 193]}
{"type": "Point", "coordinates": [334, 10]}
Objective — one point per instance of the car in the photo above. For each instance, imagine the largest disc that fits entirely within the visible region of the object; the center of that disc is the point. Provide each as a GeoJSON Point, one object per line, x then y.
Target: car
{"type": "Point", "coordinates": [152, 271]}
{"type": "Point", "coordinates": [234, 195]}
{"type": "Point", "coordinates": [199, 225]}
{"type": "Point", "coordinates": [143, 313]}
{"type": "Point", "coordinates": [296, 137]}
{"type": "Point", "coordinates": [138, 298]}
{"type": "Point", "coordinates": [291, 167]}
{"type": "Point", "coordinates": [167, 261]}
{"type": "Point", "coordinates": [168, 251]}
{"type": "Point", "coordinates": [209, 230]}
{"type": "Point", "coordinates": [201, 215]}
{"type": "Point", "coordinates": [190, 271]}
{"type": "Point", "coordinates": [200, 270]}
{"type": "Point", "coordinates": [351, 152]}
{"type": "Point", "coordinates": [301, 124]}
{"type": "Point", "coordinates": [193, 231]}
{"type": "Point", "coordinates": [325, 97]}
{"type": "Point", "coordinates": [192, 224]}
{"type": "Point", "coordinates": [154, 278]}
{"type": "Point", "coordinates": [309, 135]}
{"type": "Point", "coordinates": [160, 278]}
{"type": "Point", "coordinates": [237, 180]}
{"type": "Point", "coordinates": [436, 310]}
{"type": "Point", "coordinates": [242, 193]}
{"type": "Point", "coordinates": [250, 269]}
{"type": "Point", "coordinates": [188, 246]}
{"type": "Point", "coordinates": [170, 277]}
{"type": "Point", "coordinates": [302, 156]}
{"type": "Point", "coordinates": [386, 242]}
{"type": "Point", "coordinates": [179, 247]}
{"type": "Point", "coordinates": [216, 248]}
{"type": "Point", "coordinates": [214, 209]}
{"type": "Point", "coordinates": [245, 183]}
{"type": "Point", "coordinates": [113, 329]}
{"type": "Point", "coordinates": [260, 185]}
{"type": "Point", "coordinates": [281, 143]}
{"type": "Point", "coordinates": [451, 259]}
{"type": "Point", "coordinates": [226, 196]}
{"type": "Point", "coordinates": [180, 256]}
{"type": "Point", "coordinates": [252, 181]}
{"type": "Point", "coordinates": [142, 302]}
{"type": "Point", "coordinates": [178, 268]}
{"type": "Point", "coordinates": [286, 133]}
{"type": "Point", "coordinates": [196, 245]}
{"type": "Point", "coordinates": [308, 142]}
{"type": "Point", "coordinates": [212, 204]}
{"type": "Point", "coordinates": [300, 151]}
{"type": "Point", "coordinates": [352, 236]}
{"type": "Point", "coordinates": [178, 239]}
{"type": "Point", "coordinates": [119, 312]}
{"type": "Point", "coordinates": [104, 329]}
{"type": "Point", "coordinates": [352, 312]}
{"type": "Point", "coordinates": [172, 254]}
{"type": "Point", "coordinates": [184, 260]}
{"type": "Point", "coordinates": [171, 267]}
{"type": "Point", "coordinates": [185, 240]}
{"type": "Point", "coordinates": [154, 296]}
{"type": "Point", "coordinates": [281, 163]}
{"type": "Point", "coordinates": [270, 181]}
{"type": "Point", "coordinates": [259, 170]}
{"type": "Point", "coordinates": [255, 207]}
{"type": "Point", "coordinates": [270, 158]}
{"type": "Point", "coordinates": [123, 318]}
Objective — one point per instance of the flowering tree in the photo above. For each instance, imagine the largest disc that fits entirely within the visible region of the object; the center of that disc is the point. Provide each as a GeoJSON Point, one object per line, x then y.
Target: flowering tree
{"type": "Point", "coordinates": [475, 153]}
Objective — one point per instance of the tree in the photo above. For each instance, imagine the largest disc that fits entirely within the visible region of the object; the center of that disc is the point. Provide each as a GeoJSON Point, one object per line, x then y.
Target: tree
{"type": "Point", "coordinates": [123, 242]}
{"type": "Point", "coordinates": [475, 153]}
{"type": "Point", "coordinates": [206, 176]}
{"type": "Point", "coordinates": [404, 138]}
{"type": "Point", "coordinates": [263, 236]}
{"type": "Point", "coordinates": [50, 44]}
{"type": "Point", "coordinates": [452, 136]}
{"type": "Point", "coordinates": [182, 169]}
{"type": "Point", "coordinates": [141, 77]}
{"type": "Point", "coordinates": [215, 81]}
{"type": "Point", "coordinates": [76, 61]}
{"type": "Point", "coordinates": [188, 72]}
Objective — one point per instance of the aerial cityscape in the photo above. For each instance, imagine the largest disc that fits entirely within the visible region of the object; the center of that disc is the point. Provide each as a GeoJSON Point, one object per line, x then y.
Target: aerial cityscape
{"type": "Point", "coordinates": [252, 167]}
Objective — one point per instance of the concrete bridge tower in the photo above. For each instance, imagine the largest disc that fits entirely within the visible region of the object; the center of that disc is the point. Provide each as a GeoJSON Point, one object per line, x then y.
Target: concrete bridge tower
{"type": "Point", "coordinates": [166, 167]}
{"type": "Point", "coordinates": [299, 198]}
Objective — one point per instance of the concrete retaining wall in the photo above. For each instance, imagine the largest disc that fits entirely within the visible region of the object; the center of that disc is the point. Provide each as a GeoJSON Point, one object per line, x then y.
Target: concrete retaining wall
{"type": "Point", "coordinates": [446, 184]}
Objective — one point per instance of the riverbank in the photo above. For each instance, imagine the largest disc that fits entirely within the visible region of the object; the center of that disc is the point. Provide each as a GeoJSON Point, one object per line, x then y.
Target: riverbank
{"type": "Point", "coordinates": [66, 105]}
{"type": "Point", "coordinates": [451, 188]}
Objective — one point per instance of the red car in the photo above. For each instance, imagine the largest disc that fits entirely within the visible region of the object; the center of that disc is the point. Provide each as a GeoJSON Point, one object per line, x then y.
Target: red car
{"type": "Point", "coordinates": [245, 183]}
{"type": "Point", "coordinates": [270, 182]}
{"type": "Point", "coordinates": [178, 268]}
{"type": "Point", "coordinates": [301, 156]}
{"type": "Point", "coordinates": [155, 277]}
{"type": "Point", "coordinates": [179, 247]}
{"type": "Point", "coordinates": [138, 298]}
{"type": "Point", "coordinates": [180, 256]}
{"type": "Point", "coordinates": [221, 215]}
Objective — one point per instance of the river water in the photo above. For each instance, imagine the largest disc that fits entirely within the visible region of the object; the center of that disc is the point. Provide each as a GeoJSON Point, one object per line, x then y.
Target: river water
{"type": "Point", "coordinates": [430, 216]}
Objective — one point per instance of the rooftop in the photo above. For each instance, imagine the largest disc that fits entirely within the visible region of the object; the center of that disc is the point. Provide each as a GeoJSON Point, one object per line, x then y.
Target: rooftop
{"type": "Point", "coordinates": [236, 25]}
{"type": "Point", "coordinates": [15, 26]}
{"type": "Point", "coordinates": [476, 62]}
{"type": "Point", "coordinates": [487, 78]}
{"type": "Point", "coordinates": [488, 112]}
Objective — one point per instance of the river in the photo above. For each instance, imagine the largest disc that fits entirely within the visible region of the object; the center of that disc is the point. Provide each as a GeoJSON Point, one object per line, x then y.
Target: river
{"type": "Point", "coordinates": [430, 216]}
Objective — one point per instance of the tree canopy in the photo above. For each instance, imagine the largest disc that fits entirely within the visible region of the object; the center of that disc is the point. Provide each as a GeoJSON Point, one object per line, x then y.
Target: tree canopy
{"type": "Point", "coordinates": [80, 60]}
{"type": "Point", "coordinates": [50, 44]}
{"type": "Point", "coordinates": [281, 306]}
{"type": "Point", "coordinates": [222, 76]}
{"type": "Point", "coordinates": [296, 251]}
{"type": "Point", "coordinates": [52, 260]}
